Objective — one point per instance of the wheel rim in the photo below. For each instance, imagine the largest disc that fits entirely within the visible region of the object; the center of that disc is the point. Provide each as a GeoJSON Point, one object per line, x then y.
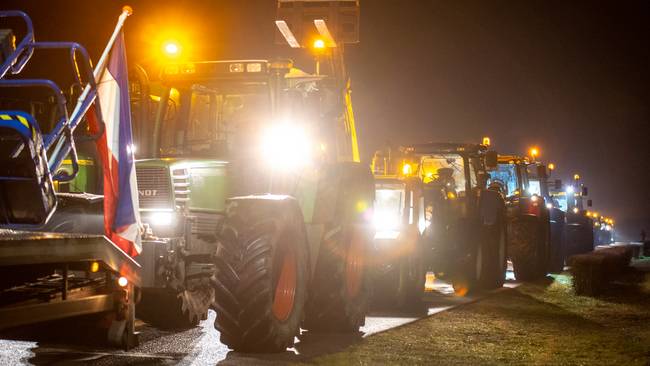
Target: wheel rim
{"type": "Point", "coordinates": [285, 288]}
{"type": "Point", "coordinates": [354, 264]}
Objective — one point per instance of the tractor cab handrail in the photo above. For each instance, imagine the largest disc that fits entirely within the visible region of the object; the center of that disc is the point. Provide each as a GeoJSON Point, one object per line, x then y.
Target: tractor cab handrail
{"type": "Point", "coordinates": [15, 63]}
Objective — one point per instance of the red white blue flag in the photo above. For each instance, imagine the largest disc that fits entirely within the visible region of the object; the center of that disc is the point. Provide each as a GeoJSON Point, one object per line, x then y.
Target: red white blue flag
{"type": "Point", "coordinates": [115, 146]}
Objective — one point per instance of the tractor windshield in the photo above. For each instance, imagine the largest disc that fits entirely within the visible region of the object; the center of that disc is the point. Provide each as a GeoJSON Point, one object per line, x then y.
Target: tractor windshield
{"type": "Point", "coordinates": [447, 169]}
{"type": "Point", "coordinates": [389, 205]}
{"type": "Point", "coordinates": [505, 176]}
{"type": "Point", "coordinates": [205, 120]}
{"type": "Point", "coordinates": [534, 182]}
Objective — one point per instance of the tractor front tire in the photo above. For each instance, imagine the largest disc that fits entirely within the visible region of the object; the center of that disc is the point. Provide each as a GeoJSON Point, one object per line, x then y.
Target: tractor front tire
{"type": "Point", "coordinates": [261, 278]}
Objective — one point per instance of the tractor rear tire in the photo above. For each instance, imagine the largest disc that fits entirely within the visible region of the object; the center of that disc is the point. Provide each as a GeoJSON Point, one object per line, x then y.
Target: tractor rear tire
{"type": "Point", "coordinates": [496, 257]}
{"type": "Point", "coordinates": [557, 255]}
{"type": "Point", "coordinates": [527, 249]}
{"type": "Point", "coordinates": [340, 287]}
{"type": "Point", "coordinates": [261, 278]}
{"type": "Point", "coordinates": [472, 272]}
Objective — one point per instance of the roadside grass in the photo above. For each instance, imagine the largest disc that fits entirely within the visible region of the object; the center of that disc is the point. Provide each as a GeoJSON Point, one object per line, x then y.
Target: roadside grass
{"type": "Point", "coordinates": [542, 323]}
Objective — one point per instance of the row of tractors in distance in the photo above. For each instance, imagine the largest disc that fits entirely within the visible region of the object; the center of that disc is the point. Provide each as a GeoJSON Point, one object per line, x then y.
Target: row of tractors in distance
{"type": "Point", "coordinates": [461, 210]}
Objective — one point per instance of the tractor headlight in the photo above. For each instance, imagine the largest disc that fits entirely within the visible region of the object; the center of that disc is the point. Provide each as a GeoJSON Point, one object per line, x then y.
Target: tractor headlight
{"type": "Point", "coordinates": [387, 224]}
{"type": "Point", "coordinates": [160, 218]}
{"type": "Point", "coordinates": [286, 146]}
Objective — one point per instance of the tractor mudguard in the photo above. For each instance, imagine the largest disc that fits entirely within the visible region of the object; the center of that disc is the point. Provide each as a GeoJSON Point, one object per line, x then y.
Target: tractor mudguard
{"type": "Point", "coordinates": [328, 198]}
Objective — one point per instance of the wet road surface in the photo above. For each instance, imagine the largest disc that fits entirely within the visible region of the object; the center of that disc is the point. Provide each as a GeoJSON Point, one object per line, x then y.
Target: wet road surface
{"type": "Point", "coordinates": [69, 342]}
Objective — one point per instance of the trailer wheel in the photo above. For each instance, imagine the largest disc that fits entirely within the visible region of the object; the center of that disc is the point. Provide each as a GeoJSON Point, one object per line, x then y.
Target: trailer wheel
{"type": "Point", "coordinates": [527, 249]}
{"type": "Point", "coordinates": [339, 299]}
{"type": "Point", "coordinates": [261, 277]}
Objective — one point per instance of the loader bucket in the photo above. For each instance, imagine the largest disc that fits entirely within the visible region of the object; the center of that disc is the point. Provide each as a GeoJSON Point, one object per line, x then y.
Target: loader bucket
{"type": "Point", "coordinates": [27, 195]}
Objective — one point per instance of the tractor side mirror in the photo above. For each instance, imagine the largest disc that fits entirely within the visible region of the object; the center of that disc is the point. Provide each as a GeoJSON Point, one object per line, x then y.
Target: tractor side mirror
{"type": "Point", "coordinates": [491, 160]}
{"type": "Point", "coordinates": [541, 171]}
{"type": "Point", "coordinates": [585, 191]}
{"type": "Point", "coordinates": [590, 203]}
{"type": "Point", "coordinates": [558, 184]}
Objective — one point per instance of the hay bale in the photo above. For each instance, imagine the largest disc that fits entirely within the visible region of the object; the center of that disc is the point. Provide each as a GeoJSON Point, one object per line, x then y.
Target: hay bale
{"type": "Point", "coordinates": [592, 271]}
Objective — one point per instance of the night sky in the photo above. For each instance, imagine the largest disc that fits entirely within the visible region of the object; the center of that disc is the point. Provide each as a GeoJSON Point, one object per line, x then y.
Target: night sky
{"type": "Point", "coordinates": [570, 77]}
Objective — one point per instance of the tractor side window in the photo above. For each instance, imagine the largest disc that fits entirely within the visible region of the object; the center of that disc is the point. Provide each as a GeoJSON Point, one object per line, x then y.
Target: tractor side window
{"type": "Point", "coordinates": [202, 122]}
{"type": "Point", "coordinates": [473, 172]}
{"type": "Point", "coordinates": [444, 169]}
{"type": "Point", "coordinates": [505, 177]}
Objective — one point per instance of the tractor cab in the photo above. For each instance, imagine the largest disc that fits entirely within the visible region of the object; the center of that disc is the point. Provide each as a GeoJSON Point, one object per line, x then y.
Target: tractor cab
{"type": "Point", "coordinates": [450, 172]}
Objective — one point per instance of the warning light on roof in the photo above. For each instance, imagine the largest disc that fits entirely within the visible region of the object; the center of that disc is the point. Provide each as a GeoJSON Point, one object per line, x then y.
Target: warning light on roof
{"type": "Point", "coordinates": [319, 44]}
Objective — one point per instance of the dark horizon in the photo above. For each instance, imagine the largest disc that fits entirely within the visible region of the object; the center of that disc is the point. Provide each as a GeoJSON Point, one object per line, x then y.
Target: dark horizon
{"type": "Point", "coordinates": [569, 77]}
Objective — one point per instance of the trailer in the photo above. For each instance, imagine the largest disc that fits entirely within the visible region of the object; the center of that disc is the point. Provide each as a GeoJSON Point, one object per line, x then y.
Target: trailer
{"type": "Point", "coordinates": [47, 276]}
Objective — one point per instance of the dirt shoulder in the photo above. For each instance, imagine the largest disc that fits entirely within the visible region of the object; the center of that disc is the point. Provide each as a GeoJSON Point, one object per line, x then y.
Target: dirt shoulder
{"type": "Point", "coordinates": [535, 324]}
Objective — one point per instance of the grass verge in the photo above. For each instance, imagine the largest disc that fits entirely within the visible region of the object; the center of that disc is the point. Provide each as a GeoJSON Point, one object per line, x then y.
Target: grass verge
{"type": "Point", "coordinates": [536, 324]}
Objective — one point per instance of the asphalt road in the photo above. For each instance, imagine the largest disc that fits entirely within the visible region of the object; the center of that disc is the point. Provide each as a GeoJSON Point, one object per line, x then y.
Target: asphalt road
{"type": "Point", "coordinates": [70, 342]}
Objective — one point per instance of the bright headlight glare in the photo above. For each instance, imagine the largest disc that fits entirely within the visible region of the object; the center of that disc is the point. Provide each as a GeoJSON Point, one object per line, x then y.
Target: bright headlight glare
{"type": "Point", "coordinates": [385, 220]}
{"type": "Point", "coordinates": [286, 146]}
{"type": "Point", "coordinates": [161, 218]}
{"type": "Point", "coordinates": [387, 234]}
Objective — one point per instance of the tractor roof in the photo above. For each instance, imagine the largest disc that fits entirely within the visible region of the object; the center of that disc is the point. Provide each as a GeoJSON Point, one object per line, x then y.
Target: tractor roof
{"type": "Point", "coordinates": [513, 159]}
{"type": "Point", "coordinates": [444, 148]}
{"type": "Point", "coordinates": [233, 70]}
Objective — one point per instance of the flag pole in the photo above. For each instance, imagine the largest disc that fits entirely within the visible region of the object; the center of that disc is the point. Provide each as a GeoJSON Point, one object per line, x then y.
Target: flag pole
{"type": "Point", "coordinates": [126, 11]}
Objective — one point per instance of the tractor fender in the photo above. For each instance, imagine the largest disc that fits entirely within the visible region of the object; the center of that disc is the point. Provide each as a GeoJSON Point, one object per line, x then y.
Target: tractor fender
{"type": "Point", "coordinates": [344, 187]}
{"type": "Point", "coordinates": [491, 207]}
{"type": "Point", "coordinates": [283, 207]}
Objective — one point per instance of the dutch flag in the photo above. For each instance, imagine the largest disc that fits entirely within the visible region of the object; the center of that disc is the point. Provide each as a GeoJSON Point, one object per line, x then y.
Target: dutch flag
{"type": "Point", "coordinates": [115, 147]}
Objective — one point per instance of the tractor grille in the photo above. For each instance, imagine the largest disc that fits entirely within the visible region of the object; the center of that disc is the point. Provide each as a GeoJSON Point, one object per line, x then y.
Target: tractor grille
{"type": "Point", "coordinates": [181, 181]}
{"type": "Point", "coordinates": [154, 187]}
{"type": "Point", "coordinates": [205, 223]}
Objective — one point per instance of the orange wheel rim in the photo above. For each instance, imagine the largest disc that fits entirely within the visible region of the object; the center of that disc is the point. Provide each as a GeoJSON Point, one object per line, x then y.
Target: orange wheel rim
{"type": "Point", "coordinates": [285, 289]}
{"type": "Point", "coordinates": [354, 264]}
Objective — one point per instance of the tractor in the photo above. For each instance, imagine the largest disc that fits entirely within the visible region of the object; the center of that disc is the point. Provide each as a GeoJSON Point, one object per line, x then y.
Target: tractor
{"type": "Point", "coordinates": [463, 224]}
{"type": "Point", "coordinates": [398, 269]}
{"type": "Point", "coordinates": [539, 184]}
{"type": "Point", "coordinates": [253, 174]}
{"type": "Point", "coordinates": [527, 217]}
{"type": "Point", "coordinates": [578, 232]}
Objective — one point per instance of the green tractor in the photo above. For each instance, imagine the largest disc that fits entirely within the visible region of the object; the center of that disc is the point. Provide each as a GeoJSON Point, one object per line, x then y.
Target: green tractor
{"type": "Point", "coordinates": [528, 217]}
{"type": "Point", "coordinates": [255, 176]}
{"type": "Point", "coordinates": [446, 219]}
